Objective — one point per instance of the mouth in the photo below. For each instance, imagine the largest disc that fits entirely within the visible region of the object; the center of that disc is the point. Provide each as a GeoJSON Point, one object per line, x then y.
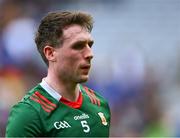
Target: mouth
{"type": "Point", "coordinates": [86, 68]}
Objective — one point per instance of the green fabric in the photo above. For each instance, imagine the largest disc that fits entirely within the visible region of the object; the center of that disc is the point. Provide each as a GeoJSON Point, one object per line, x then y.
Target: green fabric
{"type": "Point", "coordinates": [29, 119]}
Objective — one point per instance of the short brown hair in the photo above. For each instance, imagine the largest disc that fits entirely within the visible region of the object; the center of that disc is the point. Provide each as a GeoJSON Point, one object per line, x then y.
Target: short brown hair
{"type": "Point", "coordinates": [51, 28]}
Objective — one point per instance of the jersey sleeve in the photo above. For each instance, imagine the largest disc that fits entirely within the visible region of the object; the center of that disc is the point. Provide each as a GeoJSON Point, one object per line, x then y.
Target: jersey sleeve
{"type": "Point", "coordinates": [23, 121]}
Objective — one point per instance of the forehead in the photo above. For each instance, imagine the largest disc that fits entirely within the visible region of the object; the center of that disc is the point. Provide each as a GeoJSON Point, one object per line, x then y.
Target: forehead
{"type": "Point", "coordinates": [75, 33]}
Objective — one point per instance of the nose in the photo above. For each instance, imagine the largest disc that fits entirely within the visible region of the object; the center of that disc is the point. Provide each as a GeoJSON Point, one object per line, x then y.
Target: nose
{"type": "Point", "coordinates": [88, 53]}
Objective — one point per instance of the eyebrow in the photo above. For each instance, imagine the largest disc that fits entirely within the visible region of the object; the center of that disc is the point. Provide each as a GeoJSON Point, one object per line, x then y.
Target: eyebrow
{"type": "Point", "coordinates": [83, 41]}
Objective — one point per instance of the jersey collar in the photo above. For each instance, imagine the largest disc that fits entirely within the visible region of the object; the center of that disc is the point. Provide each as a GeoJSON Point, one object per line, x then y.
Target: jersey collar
{"type": "Point", "coordinates": [50, 90]}
{"type": "Point", "coordinates": [58, 97]}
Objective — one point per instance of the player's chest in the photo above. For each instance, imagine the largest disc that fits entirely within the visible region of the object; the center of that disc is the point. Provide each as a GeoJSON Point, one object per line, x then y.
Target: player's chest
{"type": "Point", "coordinates": [89, 121]}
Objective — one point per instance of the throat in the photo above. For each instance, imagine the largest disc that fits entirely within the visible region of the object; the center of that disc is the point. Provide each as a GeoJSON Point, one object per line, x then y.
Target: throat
{"type": "Point", "coordinates": [71, 96]}
{"type": "Point", "coordinates": [70, 92]}
{"type": "Point", "coordinates": [66, 90]}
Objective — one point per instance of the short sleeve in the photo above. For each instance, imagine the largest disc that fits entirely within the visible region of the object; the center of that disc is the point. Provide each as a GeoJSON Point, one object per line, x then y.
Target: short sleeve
{"type": "Point", "coordinates": [23, 121]}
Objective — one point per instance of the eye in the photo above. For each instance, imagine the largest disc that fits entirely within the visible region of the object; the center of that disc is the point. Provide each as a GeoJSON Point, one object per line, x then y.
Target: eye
{"type": "Point", "coordinates": [78, 46]}
{"type": "Point", "coordinates": [90, 44]}
{"type": "Point", "coordinates": [81, 44]}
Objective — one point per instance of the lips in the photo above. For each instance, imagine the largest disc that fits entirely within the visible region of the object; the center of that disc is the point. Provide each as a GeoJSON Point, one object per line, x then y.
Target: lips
{"type": "Point", "coordinates": [86, 67]}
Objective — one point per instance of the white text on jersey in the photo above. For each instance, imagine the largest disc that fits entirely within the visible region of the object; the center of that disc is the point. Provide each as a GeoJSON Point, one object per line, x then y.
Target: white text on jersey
{"type": "Point", "coordinates": [61, 124]}
{"type": "Point", "coordinates": [80, 117]}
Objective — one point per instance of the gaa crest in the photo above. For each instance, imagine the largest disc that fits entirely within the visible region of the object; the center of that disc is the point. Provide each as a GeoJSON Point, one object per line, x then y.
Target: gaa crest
{"type": "Point", "coordinates": [103, 119]}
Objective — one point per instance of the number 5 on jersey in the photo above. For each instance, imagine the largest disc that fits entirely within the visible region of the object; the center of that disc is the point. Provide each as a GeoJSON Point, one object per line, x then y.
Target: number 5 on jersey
{"type": "Point", "coordinates": [85, 126]}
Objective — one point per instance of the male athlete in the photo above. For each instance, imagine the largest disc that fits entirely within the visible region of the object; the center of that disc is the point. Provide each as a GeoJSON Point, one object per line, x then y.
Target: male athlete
{"type": "Point", "coordinates": [60, 106]}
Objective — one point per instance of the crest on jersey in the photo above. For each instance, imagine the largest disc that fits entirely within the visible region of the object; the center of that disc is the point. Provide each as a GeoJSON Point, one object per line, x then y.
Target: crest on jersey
{"type": "Point", "coordinates": [103, 119]}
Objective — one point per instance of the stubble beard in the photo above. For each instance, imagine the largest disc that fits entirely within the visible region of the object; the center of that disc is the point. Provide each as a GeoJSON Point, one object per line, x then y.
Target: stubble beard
{"type": "Point", "coordinates": [83, 79]}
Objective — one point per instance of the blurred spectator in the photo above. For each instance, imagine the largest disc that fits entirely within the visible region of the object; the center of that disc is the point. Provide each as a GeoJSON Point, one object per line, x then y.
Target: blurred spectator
{"type": "Point", "coordinates": [12, 86]}
{"type": "Point", "coordinates": [154, 125]}
{"type": "Point", "coordinates": [18, 37]}
{"type": "Point", "coordinates": [12, 89]}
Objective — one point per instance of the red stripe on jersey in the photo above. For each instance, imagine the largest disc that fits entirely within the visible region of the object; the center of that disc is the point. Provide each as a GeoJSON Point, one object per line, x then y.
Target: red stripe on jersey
{"type": "Point", "coordinates": [92, 92]}
{"type": "Point", "coordinates": [38, 101]}
{"type": "Point", "coordinates": [89, 95]}
{"type": "Point", "coordinates": [44, 99]}
{"type": "Point", "coordinates": [92, 96]}
{"type": "Point", "coordinates": [76, 104]}
{"type": "Point", "coordinates": [43, 103]}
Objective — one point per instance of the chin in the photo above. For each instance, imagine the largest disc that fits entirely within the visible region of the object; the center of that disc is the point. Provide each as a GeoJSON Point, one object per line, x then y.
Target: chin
{"type": "Point", "coordinates": [83, 79]}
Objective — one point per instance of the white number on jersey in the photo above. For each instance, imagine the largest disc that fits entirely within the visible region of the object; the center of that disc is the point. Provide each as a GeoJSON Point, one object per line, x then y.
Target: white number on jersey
{"type": "Point", "coordinates": [85, 126]}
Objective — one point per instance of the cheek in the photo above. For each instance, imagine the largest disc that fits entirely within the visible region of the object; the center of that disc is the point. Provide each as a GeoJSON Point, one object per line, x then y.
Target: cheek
{"type": "Point", "coordinates": [73, 57]}
{"type": "Point", "coordinates": [70, 62]}
{"type": "Point", "coordinates": [69, 59]}
{"type": "Point", "coordinates": [73, 62]}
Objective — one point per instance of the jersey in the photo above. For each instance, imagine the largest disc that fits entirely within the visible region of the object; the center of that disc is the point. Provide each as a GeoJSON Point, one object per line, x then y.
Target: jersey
{"type": "Point", "coordinates": [43, 112]}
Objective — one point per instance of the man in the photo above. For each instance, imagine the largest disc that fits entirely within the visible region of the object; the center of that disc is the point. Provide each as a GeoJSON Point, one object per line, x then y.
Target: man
{"type": "Point", "coordinates": [60, 106]}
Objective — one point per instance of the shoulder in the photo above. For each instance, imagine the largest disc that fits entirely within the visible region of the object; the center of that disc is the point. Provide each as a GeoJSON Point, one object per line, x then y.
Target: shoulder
{"type": "Point", "coordinates": [29, 114]}
{"type": "Point", "coordinates": [97, 99]}
{"type": "Point", "coordinates": [25, 106]}
{"type": "Point", "coordinates": [94, 96]}
{"type": "Point", "coordinates": [22, 111]}
{"type": "Point", "coordinates": [22, 119]}
{"type": "Point", "coordinates": [40, 100]}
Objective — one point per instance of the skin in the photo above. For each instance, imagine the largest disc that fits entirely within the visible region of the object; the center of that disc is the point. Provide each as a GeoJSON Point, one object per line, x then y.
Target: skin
{"type": "Point", "coordinates": [70, 63]}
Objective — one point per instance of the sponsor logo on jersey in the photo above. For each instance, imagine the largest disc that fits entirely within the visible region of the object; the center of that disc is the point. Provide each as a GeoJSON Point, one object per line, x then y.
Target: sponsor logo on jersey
{"type": "Point", "coordinates": [103, 119]}
{"type": "Point", "coordinates": [61, 125]}
{"type": "Point", "coordinates": [80, 117]}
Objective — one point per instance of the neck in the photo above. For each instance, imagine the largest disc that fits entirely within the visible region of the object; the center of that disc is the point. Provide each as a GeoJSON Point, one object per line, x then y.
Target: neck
{"type": "Point", "coordinates": [68, 90]}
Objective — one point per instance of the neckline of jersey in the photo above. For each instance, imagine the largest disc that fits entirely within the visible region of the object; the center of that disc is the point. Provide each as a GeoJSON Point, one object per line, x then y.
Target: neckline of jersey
{"type": "Point", "coordinates": [77, 104]}
{"type": "Point", "coordinates": [58, 97]}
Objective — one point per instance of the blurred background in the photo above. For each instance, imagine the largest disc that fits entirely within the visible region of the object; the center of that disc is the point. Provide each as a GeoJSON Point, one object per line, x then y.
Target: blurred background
{"type": "Point", "coordinates": [136, 66]}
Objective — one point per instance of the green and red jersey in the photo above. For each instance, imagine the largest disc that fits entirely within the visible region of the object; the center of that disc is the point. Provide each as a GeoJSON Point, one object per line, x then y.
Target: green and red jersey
{"type": "Point", "coordinates": [43, 112]}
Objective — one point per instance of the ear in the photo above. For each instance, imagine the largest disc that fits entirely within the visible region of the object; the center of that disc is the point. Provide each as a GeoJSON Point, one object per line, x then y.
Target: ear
{"type": "Point", "coordinates": [49, 52]}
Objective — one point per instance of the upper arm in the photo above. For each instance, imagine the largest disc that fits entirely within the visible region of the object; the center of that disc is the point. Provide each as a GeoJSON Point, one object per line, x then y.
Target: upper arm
{"type": "Point", "coordinates": [23, 121]}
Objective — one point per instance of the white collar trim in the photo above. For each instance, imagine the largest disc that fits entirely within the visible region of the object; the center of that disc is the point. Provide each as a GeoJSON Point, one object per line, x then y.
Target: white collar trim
{"type": "Point", "coordinates": [50, 90]}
